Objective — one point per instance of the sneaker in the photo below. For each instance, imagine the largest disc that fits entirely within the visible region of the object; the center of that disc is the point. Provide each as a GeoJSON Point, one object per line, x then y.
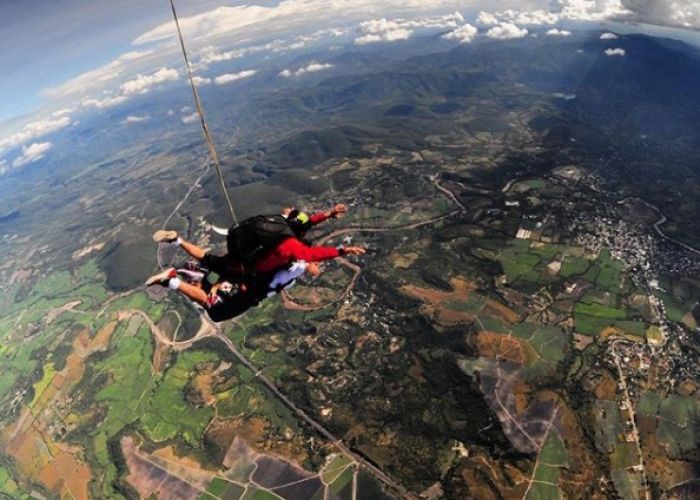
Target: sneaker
{"type": "Point", "coordinates": [162, 278]}
{"type": "Point", "coordinates": [164, 236]}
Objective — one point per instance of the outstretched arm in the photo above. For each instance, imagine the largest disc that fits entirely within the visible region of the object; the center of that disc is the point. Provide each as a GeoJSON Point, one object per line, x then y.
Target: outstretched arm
{"type": "Point", "coordinates": [336, 211]}
{"type": "Point", "coordinates": [294, 249]}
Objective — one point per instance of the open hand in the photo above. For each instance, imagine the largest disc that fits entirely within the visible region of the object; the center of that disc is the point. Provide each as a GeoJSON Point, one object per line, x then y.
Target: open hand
{"type": "Point", "coordinates": [339, 210]}
{"type": "Point", "coordinates": [313, 269]}
{"type": "Point", "coordinates": [354, 251]}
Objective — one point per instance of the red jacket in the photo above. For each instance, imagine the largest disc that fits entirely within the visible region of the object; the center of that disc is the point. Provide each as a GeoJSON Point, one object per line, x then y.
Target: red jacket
{"type": "Point", "coordinates": [293, 249]}
{"type": "Point", "coordinates": [319, 217]}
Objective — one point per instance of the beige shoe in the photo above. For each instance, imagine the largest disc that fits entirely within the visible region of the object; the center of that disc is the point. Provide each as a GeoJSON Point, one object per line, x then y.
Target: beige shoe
{"type": "Point", "coordinates": [164, 236]}
{"type": "Point", "coordinates": [162, 278]}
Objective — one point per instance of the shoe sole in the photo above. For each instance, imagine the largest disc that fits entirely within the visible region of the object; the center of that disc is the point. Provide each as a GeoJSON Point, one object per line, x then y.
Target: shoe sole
{"type": "Point", "coordinates": [164, 236]}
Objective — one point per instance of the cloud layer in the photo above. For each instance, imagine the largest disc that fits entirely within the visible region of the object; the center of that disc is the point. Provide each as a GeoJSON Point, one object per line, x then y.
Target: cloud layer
{"type": "Point", "coordinates": [34, 130]}
{"type": "Point", "coordinates": [32, 153]}
{"type": "Point", "coordinates": [383, 30]}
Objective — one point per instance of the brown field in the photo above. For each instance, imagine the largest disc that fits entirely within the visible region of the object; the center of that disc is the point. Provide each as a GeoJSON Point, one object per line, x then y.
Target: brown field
{"type": "Point", "coordinates": [612, 331]}
{"type": "Point", "coordinates": [28, 441]}
{"type": "Point", "coordinates": [494, 345]}
{"type": "Point", "coordinates": [39, 458]}
{"type": "Point", "coordinates": [606, 388]}
{"type": "Point", "coordinates": [433, 299]}
{"type": "Point", "coordinates": [667, 472]}
{"type": "Point", "coordinates": [447, 317]}
{"type": "Point", "coordinates": [160, 356]}
{"type": "Point", "coordinates": [489, 480]}
{"type": "Point", "coordinates": [461, 288]}
{"type": "Point", "coordinates": [496, 309]}
{"type": "Point", "coordinates": [582, 341]}
{"type": "Point", "coordinates": [202, 384]}
{"type": "Point", "coordinates": [163, 476]}
{"type": "Point", "coordinates": [582, 464]}
{"type": "Point", "coordinates": [403, 261]}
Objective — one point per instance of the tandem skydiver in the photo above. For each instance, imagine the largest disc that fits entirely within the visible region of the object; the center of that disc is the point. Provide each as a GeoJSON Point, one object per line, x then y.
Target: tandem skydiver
{"type": "Point", "coordinates": [244, 282]}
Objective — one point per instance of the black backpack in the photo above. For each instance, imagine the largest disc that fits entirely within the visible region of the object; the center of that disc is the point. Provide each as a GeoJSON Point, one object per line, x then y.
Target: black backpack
{"type": "Point", "coordinates": [253, 237]}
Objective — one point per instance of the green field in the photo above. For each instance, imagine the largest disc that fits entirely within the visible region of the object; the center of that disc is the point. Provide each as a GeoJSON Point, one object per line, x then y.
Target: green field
{"type": "Point", "coordinates": [599, 311]}
{"type": "Point", "coordinates": [573, 266]}
{"type": "Point", "coordinates": [592, 325]}
{"type": "Point", "coordinates": [169, 414]}
{"type": "Point", "coordinates": [41, 385]}
{"type": "Point", "coordinates": [549, 342]}
{"type": "Point", "coordinates": [551, 460]}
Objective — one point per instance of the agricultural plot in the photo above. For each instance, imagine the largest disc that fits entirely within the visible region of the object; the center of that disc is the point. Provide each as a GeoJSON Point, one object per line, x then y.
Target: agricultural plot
{"type": "Point", "coordinates": [8, 486]}
{"type": "Point", "coordinates": [552, 459]}
{"type": "Point", "coordinates": [169, 413]}
{"type": "Point", "coordinates": [548, 342]}
{"type": "Point", "coordinates": [573, 266]}
{"type": "Point", "coordinates": [593, 325]}
{"type": "Point", "coordinates": [608, 425]}
{"type": "Point", "coordinates": [609, 277]}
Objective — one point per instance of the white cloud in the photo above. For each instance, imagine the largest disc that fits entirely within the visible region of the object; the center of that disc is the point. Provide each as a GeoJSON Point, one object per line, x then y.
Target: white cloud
{"type": "Point", "coordinates": [528, 18]}
{"type": "Point", "coordinates": [383, 30]}
{"type": "Point", "coordinates": [314, 67]}
{"type": "Point", "coordinates": [232, 77]}
{"type": "Point", "coordinates": [211, 55]}
{"type": "Point", "coordinates": [563, 95]}
{"type": "Point", "coordinates": [226, 20]}
{"type": "Point", "coordinates": [32, 153]}
{"type": "Point", "coordinates": [615, 52]}
{"type": "Point", "coordinates": [142, 84]}
{"type": "Point", "coordinates": [558, 32]}
{"type": "Point", "coordinates": [60, 113]}
{"type": "Point", "coordinates": [190, 118]}
{"type": "Point", "coordinates": [608, 36]}
{"type": "Point", "coordinates": [103, 103]}
{"type": "Point", "coordinates": [593, 10]}
{"type": "Point", "coordinates": [201, 81]}
{"type": "Point", "coordinates": [487, 18]}
{"type": "Point", "coordinates": [505, 31]}
{"type": "Point", "coordinates": [135, 119]}
{"type": "Point", "coordinates": [463, 34]}
{"type": "Point", "coordinates": [34, 130]}
{"type": "Point", "coordinates": [535, 17]}
{"type": "Point", "coordinates": [679, 13]}
{"type": "Point", "coordinates": [100, 76]}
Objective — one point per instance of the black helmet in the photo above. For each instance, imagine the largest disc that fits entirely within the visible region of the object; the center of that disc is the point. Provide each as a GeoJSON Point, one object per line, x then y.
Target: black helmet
{"type": "Point", "coordinates": [300, 222]}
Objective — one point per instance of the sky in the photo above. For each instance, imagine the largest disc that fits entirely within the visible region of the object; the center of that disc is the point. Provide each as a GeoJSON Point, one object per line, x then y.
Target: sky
{"type": "Point", "coordinates": [61, 58]}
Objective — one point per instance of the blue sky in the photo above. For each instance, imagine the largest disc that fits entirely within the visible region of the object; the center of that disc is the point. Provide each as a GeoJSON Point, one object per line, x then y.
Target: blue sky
{"type": "Point", "coordinates": [63, 57]}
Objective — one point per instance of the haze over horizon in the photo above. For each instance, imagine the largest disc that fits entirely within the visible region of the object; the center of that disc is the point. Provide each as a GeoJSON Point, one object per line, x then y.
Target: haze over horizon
{"type": "Point", "coordinates": [61, 60]}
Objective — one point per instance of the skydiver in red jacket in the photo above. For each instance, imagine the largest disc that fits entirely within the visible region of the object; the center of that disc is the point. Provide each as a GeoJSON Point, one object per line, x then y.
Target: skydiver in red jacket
{"type": "Point", "coordinates": [232, 294]}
